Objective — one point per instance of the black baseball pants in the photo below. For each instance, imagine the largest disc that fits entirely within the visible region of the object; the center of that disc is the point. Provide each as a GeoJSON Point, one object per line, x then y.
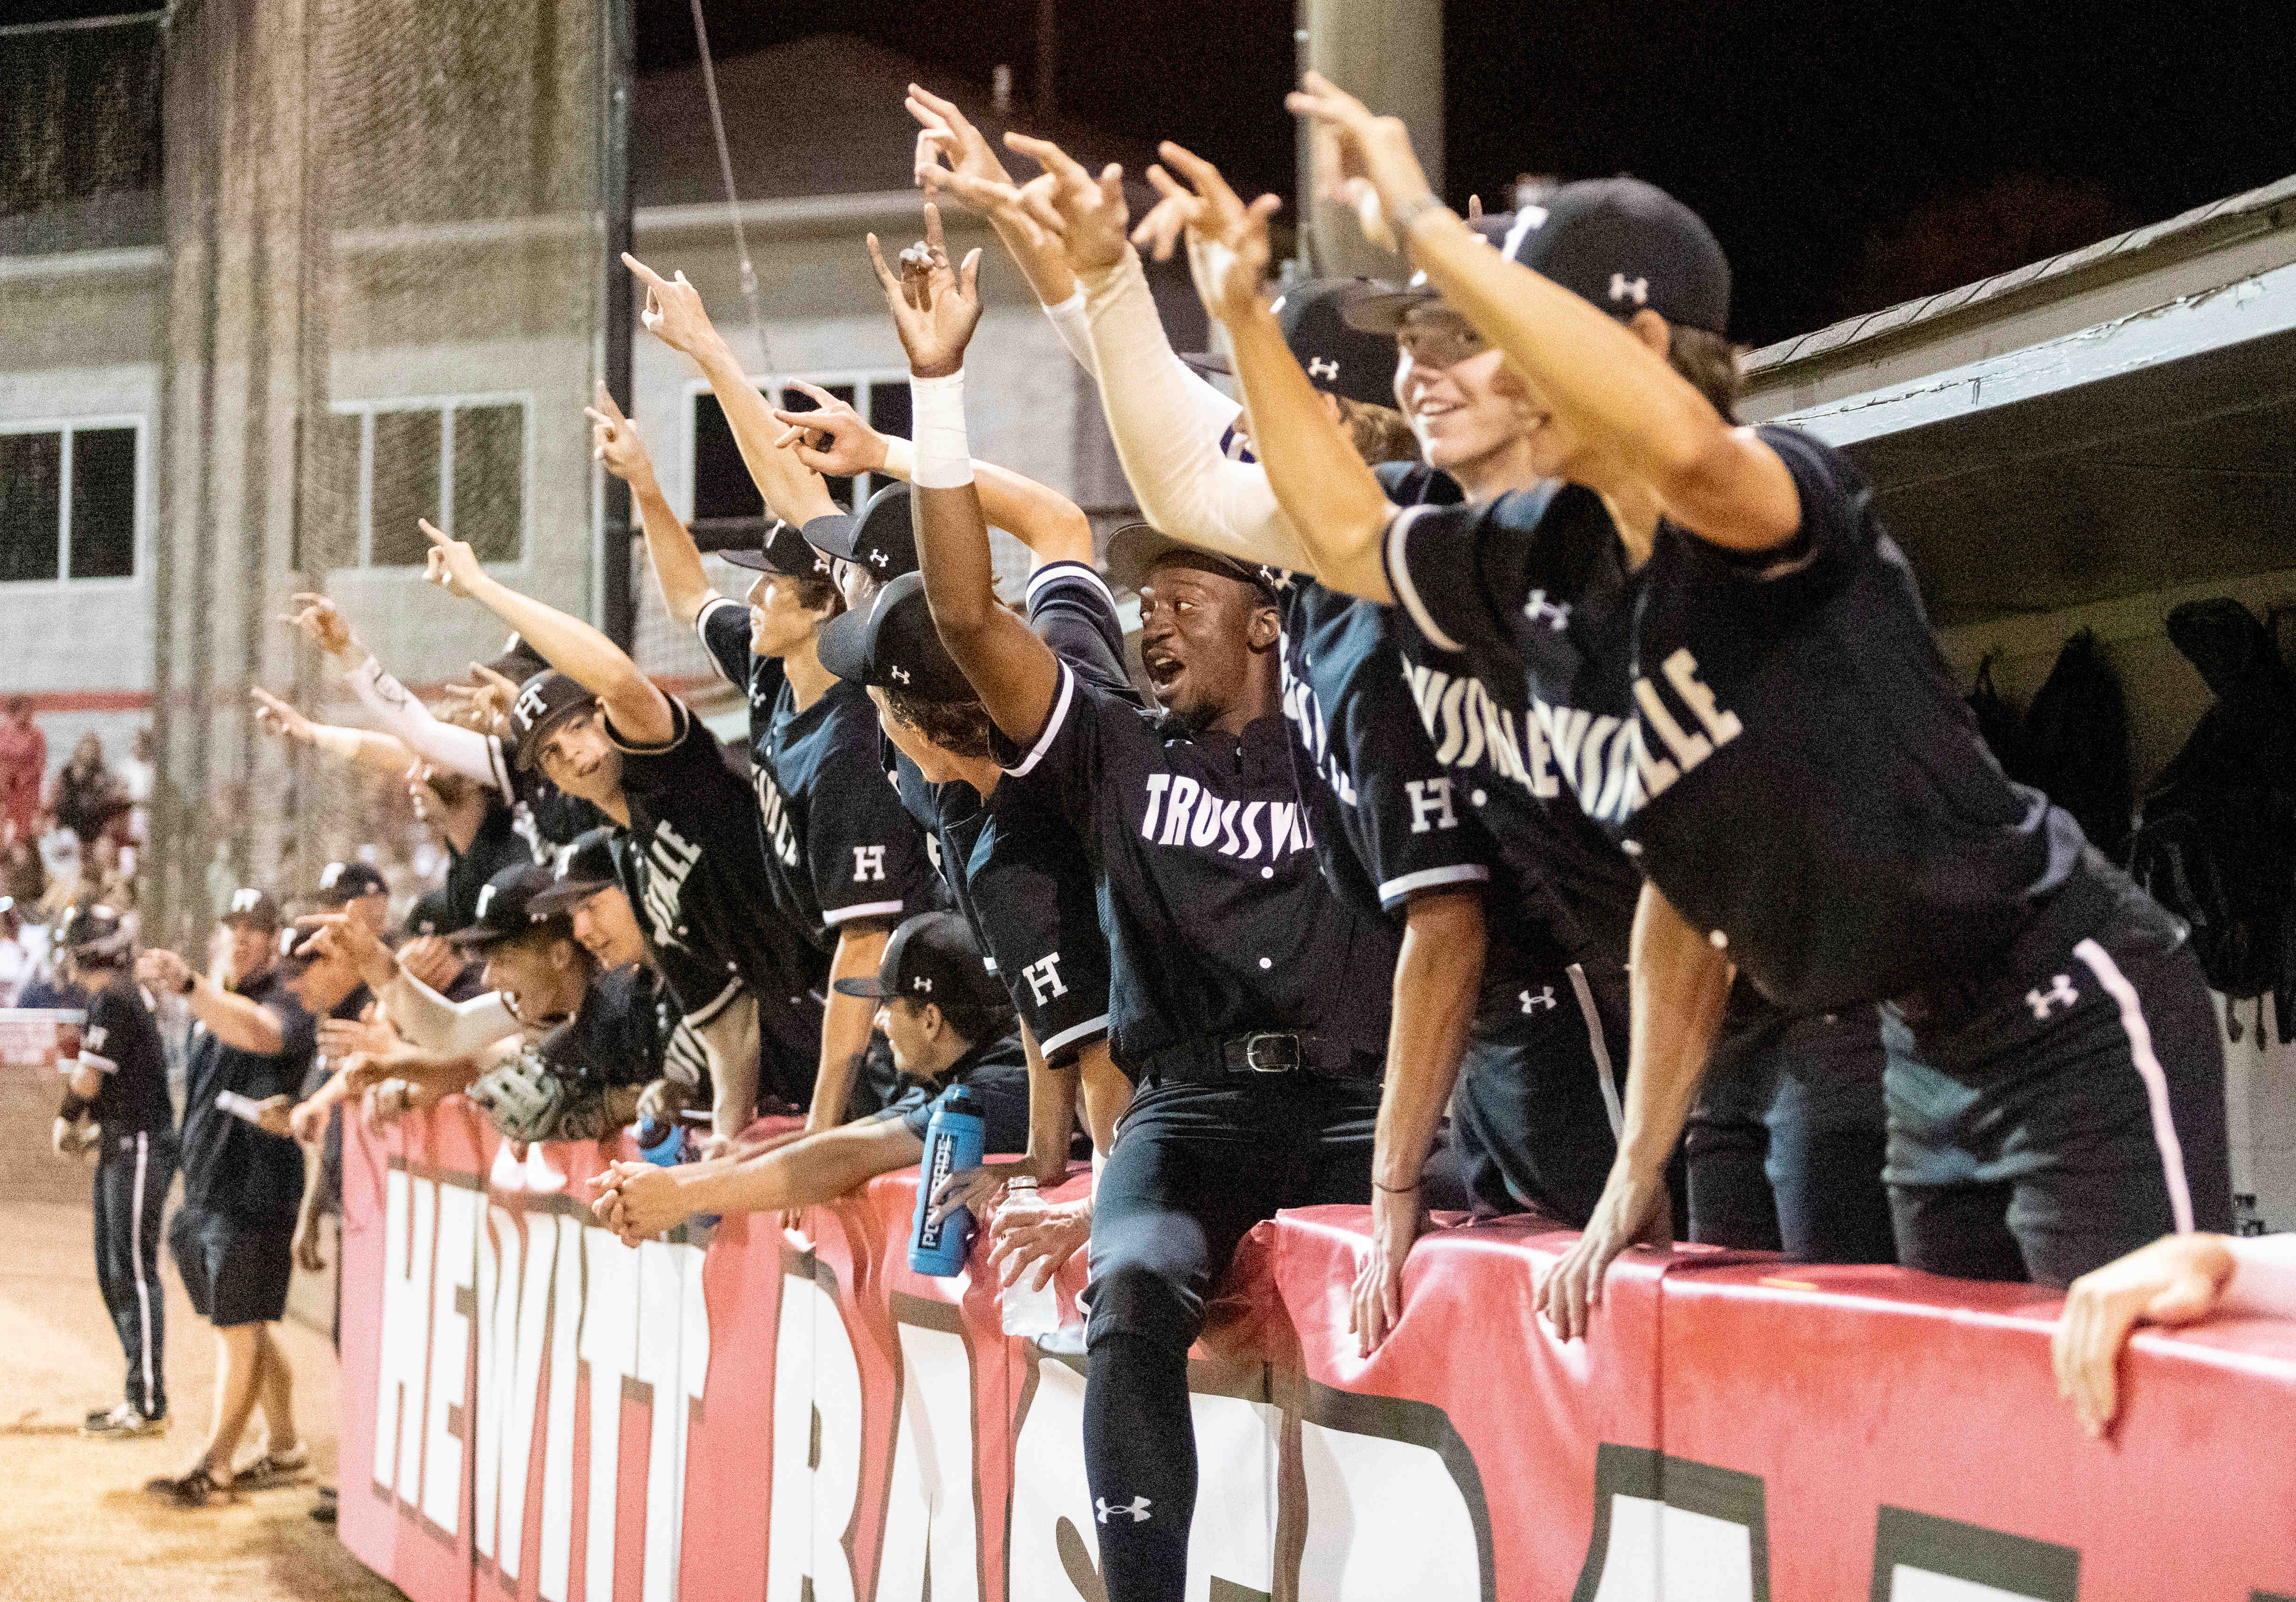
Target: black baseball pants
{"type": "Point", "coordinates": [131, 1189]}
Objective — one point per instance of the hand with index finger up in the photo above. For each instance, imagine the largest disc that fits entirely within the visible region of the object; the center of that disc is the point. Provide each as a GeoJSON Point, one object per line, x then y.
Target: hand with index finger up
{"type": "Point", "coordinates": [935, 335]}
{"type": "Point", "coordinates": [1089, 214]}
{"type": "Point", "coordinates": [615, 441]}
{"type": "Point", "coordinates": [674, 313]}
{"type": "Point", "coordinates": [452, 565]}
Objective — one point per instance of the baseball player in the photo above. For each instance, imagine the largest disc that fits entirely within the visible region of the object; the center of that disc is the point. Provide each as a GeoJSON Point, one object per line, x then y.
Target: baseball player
{"type": "Point", "coordinates": [121, 1079]}
{"type": "Point", "coordinates": [948, 1023]}
{"type": "Point", "coordinates": [1731, 660]}
{"type": "Point", "coordinates": [253, 1037]}
{"type": "Point", "coordinates": [602, 731]}
{"type": "Point", "coordinates": [1250, 1003]}
{"type": "Point", "coordinates": [845, 861]}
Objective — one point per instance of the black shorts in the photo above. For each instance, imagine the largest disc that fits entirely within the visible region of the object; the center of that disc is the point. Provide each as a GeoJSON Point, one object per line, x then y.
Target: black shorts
{"type": "Point", "coordinates": [236, 1269]}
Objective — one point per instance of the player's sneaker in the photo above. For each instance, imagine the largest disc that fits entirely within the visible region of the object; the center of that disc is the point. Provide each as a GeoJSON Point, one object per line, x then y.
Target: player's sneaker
{"type": "Point", "coordinates": [125, 1422]}
{"type": "Point", "coordinates": [272, 1467]}
{"type": "Point", "coordinates": [196, 1489]}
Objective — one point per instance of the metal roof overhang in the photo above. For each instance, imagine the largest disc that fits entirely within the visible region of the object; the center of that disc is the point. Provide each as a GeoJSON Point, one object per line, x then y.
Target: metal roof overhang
{"type": "Point", "coordinates": [2069, 457]}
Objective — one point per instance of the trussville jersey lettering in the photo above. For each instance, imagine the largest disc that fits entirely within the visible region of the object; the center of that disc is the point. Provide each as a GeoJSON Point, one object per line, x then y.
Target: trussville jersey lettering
{"type": "Point", "coordinates": [1774, 737]}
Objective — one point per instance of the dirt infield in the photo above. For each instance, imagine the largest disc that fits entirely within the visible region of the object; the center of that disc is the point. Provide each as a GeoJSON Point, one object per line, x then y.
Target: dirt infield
{"type": "Point", "coordinates": [79, 1527]}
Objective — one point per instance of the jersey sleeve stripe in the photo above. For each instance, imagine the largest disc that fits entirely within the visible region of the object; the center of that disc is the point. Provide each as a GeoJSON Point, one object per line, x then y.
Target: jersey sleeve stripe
{"type": "Point", "coordinates": [100, 1065]}
{"type": "Point", "coordinates": [701, 1017]}
{"type": "Point", "coordinates": [832, 916]}
{"type": "Point", "coordinates": [1458, 872]}
{"type": "Point", "coordinates": [1398, 575]}
{"type": "Point", "coordinates": [679, 721]}
{"type": "Point", "coordinates": [702, 632]}
{"type": "Point", "coordinates": [498, 764]}
{"type": "Point", "coordinates": [1055, 571]}
{"type": "Point", "coordinates": [1090, 1028]}
{"type": "Point", "coordinates": [1052, 725]}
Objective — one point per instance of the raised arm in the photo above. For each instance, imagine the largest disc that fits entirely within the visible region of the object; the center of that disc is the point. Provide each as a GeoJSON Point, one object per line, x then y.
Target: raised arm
{"type": "Point", "coordinates": [377, 753]}
{"type": "Point", "coordinates": [231, 1018]}
{"type": "Point", "coordinates": [836, 439]}
{"type": "Point", "coordinates": [674, 315]}
{"type": "Point", "coordinates": [670, 550]}
{"type": "Point", "coordinates": [1610, 384]}
{"type": "Point", "coordinates": [954, 155]}
{"type": "Point", "coordinates": [1678, 983]}
{"type": "Point", "coordinates": [1015, 672]}
{"type": "Point", "coordinates": [463, 751]}
{"type": "Point", "coordinates": [640, 713]}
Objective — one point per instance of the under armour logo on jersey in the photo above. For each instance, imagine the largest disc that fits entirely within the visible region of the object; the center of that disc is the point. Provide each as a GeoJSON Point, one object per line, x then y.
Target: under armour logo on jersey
{"type": "Point", "coordinates": [1044, 977]}
{"type": "Point", "coordinates": [922, 983]}
{"type": "Point", "coordinates": [868, 863]}
{"type": "Point", "coordinates": [1431, 805]}
{"type": "Point", "coordinates": [486, 897]}
{"type": "Point", "coordinates": [1317, 367]}
{"type": "Point", "coordinates": [900, 676]}
{"type": "Point", "coordinates": [1136, 1509]}
{"type": "Point", "coordinates": [1544, 999]}
{"type": "Point", "coordinates": [1555, 614]}
{"type": "Point", "coordinates": [878, 559]}
{"type": "Point", "coordinates": [1623, 287]}
{"type": "Point", "coordinates": [2061, 990]}
{"type": "Point", "coordinates": [529, 705]}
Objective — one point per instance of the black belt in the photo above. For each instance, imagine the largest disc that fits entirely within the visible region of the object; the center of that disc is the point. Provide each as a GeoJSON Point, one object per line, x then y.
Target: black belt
{"type": "Point", "coordinates": [1262, 1054]}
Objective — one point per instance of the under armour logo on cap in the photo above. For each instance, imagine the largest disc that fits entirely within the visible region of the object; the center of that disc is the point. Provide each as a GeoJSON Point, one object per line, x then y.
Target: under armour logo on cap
{"type": "Point", "coordinates": [1136, 1509]}
{"type": "Point", "coordinates": [1623, 287]}
{"type": "Point", "coordinates": [245, 900]}
{"type": "Point", "coordinates": [2061, 991]}
{"type": "Point", "coordinates": [878, 559]}
{"type": "Point", "coordinates": [921, 982]}
{"type": "Point", "coordinates": [901, 675]}
{"type": "Point", "coordinates": [330, 874]}
{"type": "Point", "coordinates": [821, 565]}
{"type": "Point", "coordinates": [1317, 367]}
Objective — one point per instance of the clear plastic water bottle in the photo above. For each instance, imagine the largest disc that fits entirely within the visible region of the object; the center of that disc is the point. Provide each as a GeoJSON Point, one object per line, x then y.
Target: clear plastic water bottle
{"type": "Point", "coordinates": [1032, 1315]}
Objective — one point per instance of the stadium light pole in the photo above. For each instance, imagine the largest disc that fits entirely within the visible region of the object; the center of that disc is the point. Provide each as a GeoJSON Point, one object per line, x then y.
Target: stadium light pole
{"type": "Point", "coordinates": [617, 617]}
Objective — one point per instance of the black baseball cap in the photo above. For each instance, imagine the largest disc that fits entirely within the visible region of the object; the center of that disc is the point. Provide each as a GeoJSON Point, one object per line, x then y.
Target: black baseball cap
{"type": "Point", "coordinates": [342, 883]}
{"type": "Point", "coordinates": [584, 867]}
{"type": "Point", "coordinates": [429, 913]}
{"type": "Point", "coordinates": [933, 957]}
{"type": "Point", "coordinates": [506, 906]}
{"type": "Point", "coordinates": [517, 660]}
{"type": "Point", "coordinates": [252, 906]}
{"type": "Point", "coordinates": [1356, 364]}
{"type": "Point", "coordinates": [544, 702]}
{"type": "Point", "coordinates": [877, 536]}
{"type": "Point", "coordinates": [893, 643]}
{"type": "Point", "coordinates": [1136, 550]}
{"type": "Point", "coordinates": [90, 929]}
{"type": "Point", "coordinates": [783, 552]}
{"type": "Point", "coordinates": [1619, 243]}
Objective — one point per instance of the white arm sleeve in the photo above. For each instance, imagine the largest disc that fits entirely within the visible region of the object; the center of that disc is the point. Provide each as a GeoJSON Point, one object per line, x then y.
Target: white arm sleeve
{"type": "Point", "coordinates": [435, 1023]}
{"type": "Point", "coordinates": [466, 751]}
{"type": "Point", "coordinates": [2263, 1283]}
{"type": "Point", "coordinates": [1069, 321]}
{"type": "Point", "coordinates": [1167, 421]}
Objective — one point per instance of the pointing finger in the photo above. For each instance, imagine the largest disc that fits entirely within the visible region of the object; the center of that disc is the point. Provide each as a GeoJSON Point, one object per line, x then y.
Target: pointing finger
{"type": "Point", "coordinates": [892, 286]}
{"type": "Point", "coordinates": [646, 274]}
{"type": "Point", "coordinates": [436, 539]}
{"type": "Point", "coordinates": [970, 273]}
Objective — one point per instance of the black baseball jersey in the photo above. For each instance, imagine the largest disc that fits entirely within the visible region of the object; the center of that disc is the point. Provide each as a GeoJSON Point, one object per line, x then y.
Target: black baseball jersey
{"type": "Point", "coordinates": [1390, 819]}
{"type": "Point", "coordinates": [1219, 922]}
{"type": "Point", "coordinates": [120, 1032]}
{"type": "Point", "coordinates": [1773, 737]}
{"type": "Point", "coordinates": [1015, 867]}
{"type": "Point", "coordinates": [998, 1073]}
{"type": "Point", "coordinates": [694, 869]}
{"type": "Point", "coordinates": [1474, 708]}
{"type": "Point", "coordinates": [839, 845]}
{"type": "Point", "coordinates": [229, 1166]}
{"type": "Point", "coordinates": [614, 1037]}
{"type": "Point", "coordinates": [497, 845]}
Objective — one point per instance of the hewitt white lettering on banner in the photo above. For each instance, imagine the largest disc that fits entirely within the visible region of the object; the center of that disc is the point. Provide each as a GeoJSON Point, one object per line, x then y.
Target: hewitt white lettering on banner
{"type": "Point", "coordinates": [934, 1549]}
{"type": "Point", "coordinates": [816, 1447]}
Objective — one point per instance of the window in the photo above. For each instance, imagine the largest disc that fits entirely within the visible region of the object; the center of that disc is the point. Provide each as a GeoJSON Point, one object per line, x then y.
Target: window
{"type": "Point", "coordinates": [68, 500]}
{"type": "Point", "coordinates": [727, 509]}
{"type": "Point", "coordinates": [380, 466]}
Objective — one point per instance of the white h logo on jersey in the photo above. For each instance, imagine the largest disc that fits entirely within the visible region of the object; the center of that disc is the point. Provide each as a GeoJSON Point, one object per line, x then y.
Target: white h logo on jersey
{"type": "Point", "coordinates": [900, 675]}
{"type": "Point", "coordinates": [1044, 977]}
{"type": "Point", "coordinates": [868, 863]}
{"type": "Point", "coordinates": [1543, 999]}
{"type": "Point", "coordinates": [1317, 367]}
{"type": "Point", "coordinates": [1623, 287]}
{"type": "Point", "coordinates": [2061, 989]}
{"type": "Point", "coordinates": [1539, 607]}
{"type": "Point", "coordinates": [1431, 798]}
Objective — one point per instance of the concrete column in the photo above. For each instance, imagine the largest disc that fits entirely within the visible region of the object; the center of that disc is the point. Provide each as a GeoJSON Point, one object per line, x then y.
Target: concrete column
{"type": "Point", "coordinates": [1389, 54]}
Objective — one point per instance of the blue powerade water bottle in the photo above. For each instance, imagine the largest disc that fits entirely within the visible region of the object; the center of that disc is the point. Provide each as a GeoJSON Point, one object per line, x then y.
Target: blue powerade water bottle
{"type": "Point", "coordinates": [661, 1144]}
{"type": "Point", "coordinates": [954, 1140]}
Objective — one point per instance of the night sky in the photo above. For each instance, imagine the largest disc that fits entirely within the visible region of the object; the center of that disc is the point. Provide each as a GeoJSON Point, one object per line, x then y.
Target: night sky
{"type": "Point", "coordinates": [1850, 154]}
